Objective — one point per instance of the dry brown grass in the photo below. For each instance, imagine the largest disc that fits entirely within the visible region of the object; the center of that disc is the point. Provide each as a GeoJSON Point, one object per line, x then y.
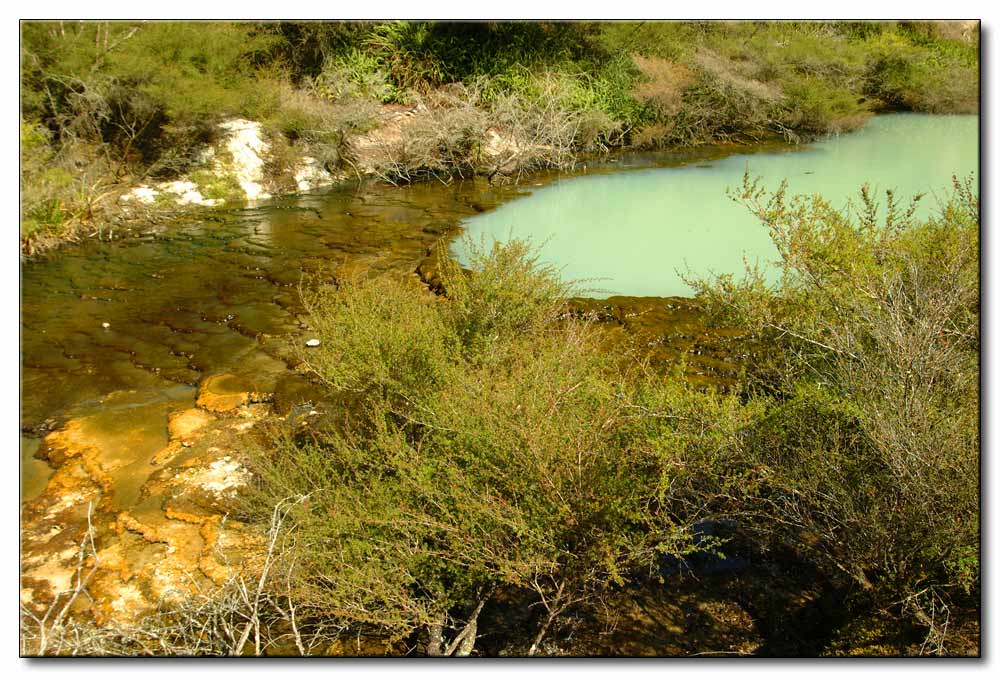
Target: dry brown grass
{"type": "Point", "coordinates": [252, 613]}
{"type": "Point", "coordinates": [454, 131]}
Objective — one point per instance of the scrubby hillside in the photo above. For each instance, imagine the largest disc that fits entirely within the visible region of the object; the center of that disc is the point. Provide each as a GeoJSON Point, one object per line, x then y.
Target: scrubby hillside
{"type": "Point", "coordinates": [110, 106]}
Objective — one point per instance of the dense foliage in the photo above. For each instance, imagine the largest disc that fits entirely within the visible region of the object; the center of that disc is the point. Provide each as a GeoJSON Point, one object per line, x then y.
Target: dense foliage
{"type": "Point", "coordinates": [491, 445]}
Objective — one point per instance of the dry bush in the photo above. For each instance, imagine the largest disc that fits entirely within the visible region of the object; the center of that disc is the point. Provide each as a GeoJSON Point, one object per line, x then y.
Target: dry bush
{"type": "Point", "coordinates": [959, 31]}
{"type": "Point", "coordinates": [441, 140]}
{"type": "Point", "coordinates": [317, 126]}
{"type": "Point", "coordinates": [732, 77]}
{"type": "Point", "coordinates": [454, 131]}
{"type": "Point", "coordinates": [550, 128]}
{"type": "Point", "coordinates": [665, 83]}
{"type": "Point", "coordinates": [724, 104]}
{"type": "Point", "coordinates": [653, 134]}
{"type": "Point", "coordinates": [62, 190]}
{"type": "Point", "coordinates": [251, 613]}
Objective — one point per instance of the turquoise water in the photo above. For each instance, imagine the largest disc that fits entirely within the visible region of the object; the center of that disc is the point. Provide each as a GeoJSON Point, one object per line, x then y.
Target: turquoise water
{"type": "Point", "coordinates": [635, 233]}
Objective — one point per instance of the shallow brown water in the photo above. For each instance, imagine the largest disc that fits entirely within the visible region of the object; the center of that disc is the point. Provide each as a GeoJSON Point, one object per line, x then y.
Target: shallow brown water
{"type": "Point", "coordinates": [214, 295]}
{"type": "Point", "coordinates": [220, 292]}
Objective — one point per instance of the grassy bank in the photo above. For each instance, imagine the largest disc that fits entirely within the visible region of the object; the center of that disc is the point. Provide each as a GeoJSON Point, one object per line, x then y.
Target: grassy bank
{"type": "Point", "coordinates": [106, 106]}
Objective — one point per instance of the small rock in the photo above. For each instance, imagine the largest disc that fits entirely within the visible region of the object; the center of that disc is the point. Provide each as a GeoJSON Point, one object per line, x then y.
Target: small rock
{"type": "Point", "coordinates": [183, 425]}
{"type": "Point", "coordinates": [312, 343]}
{"type": "Point", "coordinates": [222, 392]}
{"type": "Point", "coordinates": [106, 325]}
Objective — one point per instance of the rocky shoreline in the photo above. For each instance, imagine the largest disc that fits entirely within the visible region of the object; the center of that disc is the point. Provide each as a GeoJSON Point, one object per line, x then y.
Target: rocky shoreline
{"type": "Point", "coordinates": [172, 537]}
{"type": "Point", "coordinates": [241, 168]}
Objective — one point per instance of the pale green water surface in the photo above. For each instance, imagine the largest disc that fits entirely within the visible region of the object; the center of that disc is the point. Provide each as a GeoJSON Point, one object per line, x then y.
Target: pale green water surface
{"type": "Point", "coordinates": [638, 231]}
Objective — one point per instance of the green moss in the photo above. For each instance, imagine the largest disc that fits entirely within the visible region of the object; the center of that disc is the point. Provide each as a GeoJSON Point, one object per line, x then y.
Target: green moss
{"type": "Point", "coordinates": [216, 181]}
{"type": "Point", "coordinates": [217, 185]}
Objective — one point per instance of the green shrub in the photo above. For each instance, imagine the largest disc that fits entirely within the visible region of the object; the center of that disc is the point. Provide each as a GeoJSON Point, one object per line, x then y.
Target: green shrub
{"type": "Point", "coordinates": [812, 107]}
{"type": "Point", "coordinates": [510, 294]}
{"type": "Point", "coordinates": [354, 74]}
{"type": "Point", "coordinates": [490, 446]}
{"type": "Point", "coordinates": [796, 79]}
{"type": "Point", "coordinates": [58, 190]}
{"type": "Point", "coordinates": [937, 76]}
{"type": "Point", "coordinates": [381, 340]}
{"type": "Point", "coordinates": [875, 453]}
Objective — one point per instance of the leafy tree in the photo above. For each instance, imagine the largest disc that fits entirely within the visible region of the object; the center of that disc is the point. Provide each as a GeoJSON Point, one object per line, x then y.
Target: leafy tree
{"type": "Point", "coordinates": [141, 88]}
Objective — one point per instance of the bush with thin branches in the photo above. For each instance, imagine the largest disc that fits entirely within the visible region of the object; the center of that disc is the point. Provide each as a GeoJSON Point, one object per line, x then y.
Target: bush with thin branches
{"type": "Point", "coordinates": [492, 444]}
{"type": "Point", "coordinates": [872, 448]}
